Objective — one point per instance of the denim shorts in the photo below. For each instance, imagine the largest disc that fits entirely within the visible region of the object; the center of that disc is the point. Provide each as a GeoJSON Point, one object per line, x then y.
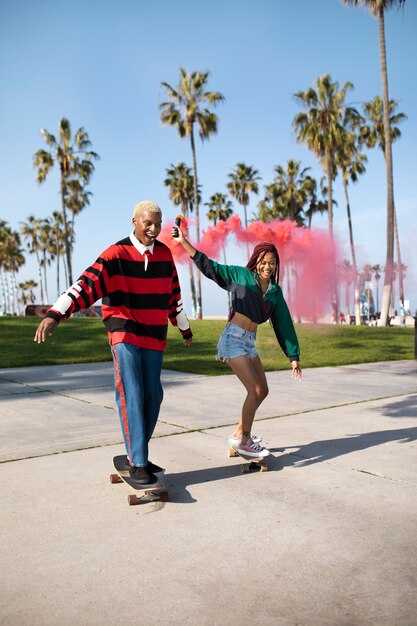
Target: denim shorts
{"type": "Point", "coordinates": [235, 341]}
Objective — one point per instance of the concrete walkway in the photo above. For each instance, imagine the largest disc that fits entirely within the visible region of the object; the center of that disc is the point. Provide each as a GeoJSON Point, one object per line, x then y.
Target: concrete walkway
{"type": "Point", "coordinates": [328, 536]}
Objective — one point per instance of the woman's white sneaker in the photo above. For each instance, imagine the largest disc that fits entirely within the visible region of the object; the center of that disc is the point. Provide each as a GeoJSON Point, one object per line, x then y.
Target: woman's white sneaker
{"type": "Point", "coordinates": [234, 440]}
{"type": "Point", "coordinates": [250, 448]}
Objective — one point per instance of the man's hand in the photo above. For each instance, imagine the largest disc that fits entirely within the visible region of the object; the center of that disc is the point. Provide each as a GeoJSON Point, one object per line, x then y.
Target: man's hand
{"type": "Point", "coordinates": [46, 328]}
{"type": "Point", "coordinates": [188, 342]}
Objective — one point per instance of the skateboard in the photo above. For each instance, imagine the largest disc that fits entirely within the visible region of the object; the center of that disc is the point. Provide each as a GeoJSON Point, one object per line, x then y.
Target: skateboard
{"type": "Point", "coordinates": [252, 463]}
{"type": "Point", "coordinates": [146, 493]}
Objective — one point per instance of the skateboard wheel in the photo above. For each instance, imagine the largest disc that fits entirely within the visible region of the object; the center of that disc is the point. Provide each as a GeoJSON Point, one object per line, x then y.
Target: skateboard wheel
{"type": "Point", "coordinates": [132, 499]}
{"type": "Point", "coordinates": [115, 478]}
{"type": "Point", "coordinates": [244, 468]}
{"type": "Point", "coordinates": [264, 468]}
{"type": "Point", "coordinates": [231, 452]}
{"type": "Point", "coordinates": [164, 496]}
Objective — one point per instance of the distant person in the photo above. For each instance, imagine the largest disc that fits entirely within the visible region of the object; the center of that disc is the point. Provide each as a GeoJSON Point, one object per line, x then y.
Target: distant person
{"type": "Point", "coordinates": [138, 283]}
{"type": "Point", "coordinates": [402, 313]}
{"type": "Point", "coordinates": [256, 297]}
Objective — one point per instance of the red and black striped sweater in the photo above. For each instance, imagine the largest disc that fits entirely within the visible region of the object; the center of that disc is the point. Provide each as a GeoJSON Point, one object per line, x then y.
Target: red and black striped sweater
{"type": "Point", "coordinates": [138, 298]}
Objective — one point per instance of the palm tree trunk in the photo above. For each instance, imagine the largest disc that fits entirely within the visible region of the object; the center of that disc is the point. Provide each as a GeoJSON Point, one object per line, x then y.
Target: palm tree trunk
{"type": "Point", "coordinates": [67, 282]}
{"type": "Point", "coordinates": [352, 249]}
{"type": "Point", "coordinates": [329, 168]}
{"type": "Point", "coordinates": [57, 267]}
{"type": "Point", "coordinates": [329, 173]}
{"type": "Point", "coordinates": [245, 212]}
{"type": "Point", "coordinates": [399, 262]}
{"type": "Point", "coordinates": [45, 277]}
{"type": "Point", "coordinates": [7, 300]}
{"type": "Point", "coordinates": [192, 290]}
{"type": "Point", "coordinates": [229, 295]}
{"type": "Point", "coordinates": [3, 290]}
{"type": "Point", "coordinates": [65, 223]}
{"type": "Point", "coordinates": [16, 303]}
{"type": "Point", "coordinates": [386, 295]}
{"type": "Point", "coordinates": [197, 223]}
{"type": "Point", "coordinates": [186, 213]}
{"type": "Point", "coordinates": [40, 279]}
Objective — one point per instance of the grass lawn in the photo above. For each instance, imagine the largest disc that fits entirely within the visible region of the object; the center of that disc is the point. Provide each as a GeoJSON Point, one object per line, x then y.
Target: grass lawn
{"type": "Point", "coordinates": [83, 340]}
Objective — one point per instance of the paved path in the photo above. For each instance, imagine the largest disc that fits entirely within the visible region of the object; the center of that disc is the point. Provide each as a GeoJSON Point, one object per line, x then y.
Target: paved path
{"type": "Point", "coordinates": [327, 537]}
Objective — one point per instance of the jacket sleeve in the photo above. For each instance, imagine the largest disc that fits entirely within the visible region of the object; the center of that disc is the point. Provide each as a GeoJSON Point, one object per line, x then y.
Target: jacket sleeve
{"type": "Point", "coordinates": [223, 275]}
{"type": "Point", "coordinates": [176, 314]}
{"type": "Point", "coordinates": [284, 329]}
{"type": "Point", "coordinates": [90, 287]}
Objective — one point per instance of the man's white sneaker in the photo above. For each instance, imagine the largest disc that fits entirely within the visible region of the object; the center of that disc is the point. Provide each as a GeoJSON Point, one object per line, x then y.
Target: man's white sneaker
{"type": "Point", "coordinates": [234, 440]}
{"type": "Point", "coordinates": [252, 449]}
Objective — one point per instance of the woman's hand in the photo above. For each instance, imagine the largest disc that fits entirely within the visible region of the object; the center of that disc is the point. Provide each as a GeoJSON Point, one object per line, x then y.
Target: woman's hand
{"type": "Point", "coordinates": [296, 370]}
{"type": "Point", "coordinates": [183, 241]}
{"type": "Point", "coordinates": [176, 233]}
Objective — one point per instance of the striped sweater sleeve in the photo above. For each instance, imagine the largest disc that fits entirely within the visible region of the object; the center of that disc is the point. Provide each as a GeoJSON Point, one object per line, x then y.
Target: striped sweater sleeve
{"type": "Point", "coordinates": [177, 315]}
{"type": "Point", "coordinates": [90, 287]}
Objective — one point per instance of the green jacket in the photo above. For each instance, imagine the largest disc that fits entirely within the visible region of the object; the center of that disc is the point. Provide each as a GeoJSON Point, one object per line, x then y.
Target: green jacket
{"type": "Point", "coordinates": [248, 299]}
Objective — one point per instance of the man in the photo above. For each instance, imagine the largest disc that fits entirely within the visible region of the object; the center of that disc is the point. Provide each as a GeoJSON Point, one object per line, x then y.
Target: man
{"type": "Point", "coordinates": [138, 283]}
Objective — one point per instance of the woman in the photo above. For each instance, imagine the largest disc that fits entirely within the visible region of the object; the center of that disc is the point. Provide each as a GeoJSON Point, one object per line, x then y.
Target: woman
{"type": "Point", "coordinates": [256, 297]}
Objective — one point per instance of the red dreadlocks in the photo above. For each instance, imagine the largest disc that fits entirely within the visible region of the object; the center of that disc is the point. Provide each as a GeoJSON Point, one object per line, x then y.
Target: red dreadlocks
{"type": "Point", "coordinates": [259, 252]}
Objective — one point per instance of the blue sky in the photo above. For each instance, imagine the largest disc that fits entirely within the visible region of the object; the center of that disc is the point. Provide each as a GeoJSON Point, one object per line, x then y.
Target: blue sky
{"type": "Point", "coordinates": [100, 64]}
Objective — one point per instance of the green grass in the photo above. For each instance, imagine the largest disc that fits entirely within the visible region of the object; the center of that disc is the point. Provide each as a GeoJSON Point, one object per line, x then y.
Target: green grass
{"type": "Point", "coordinates": [84, 340]}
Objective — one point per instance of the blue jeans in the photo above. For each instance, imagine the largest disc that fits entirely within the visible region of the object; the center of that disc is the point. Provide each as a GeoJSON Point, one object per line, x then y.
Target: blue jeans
{"type": "Point", "coordinates": [139, 393]}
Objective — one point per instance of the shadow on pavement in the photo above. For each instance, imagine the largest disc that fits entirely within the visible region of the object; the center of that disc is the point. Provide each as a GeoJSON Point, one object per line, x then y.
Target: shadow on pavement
{"type": "Point", "coordinates": [177, 483]}
{"type": "Point", "coordinates": [326, 449]}
{"type": "Point", "coordinates": [401, 408]}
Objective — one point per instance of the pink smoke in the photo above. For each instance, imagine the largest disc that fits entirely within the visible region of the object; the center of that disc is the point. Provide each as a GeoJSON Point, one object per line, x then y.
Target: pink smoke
{"type": "Point", "coordinates": [308, 258]}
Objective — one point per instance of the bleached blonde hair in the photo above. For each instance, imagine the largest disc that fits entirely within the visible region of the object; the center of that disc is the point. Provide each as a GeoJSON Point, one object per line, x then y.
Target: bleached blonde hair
{"type": "Point", "coordinates": [146, 205]}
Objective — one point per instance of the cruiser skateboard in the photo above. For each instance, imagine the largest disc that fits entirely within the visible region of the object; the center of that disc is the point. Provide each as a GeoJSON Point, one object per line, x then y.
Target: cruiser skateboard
{"type": "Point", "coordinates": [143, 493]}
{"type": "Point", "coordinates": [252, 463]}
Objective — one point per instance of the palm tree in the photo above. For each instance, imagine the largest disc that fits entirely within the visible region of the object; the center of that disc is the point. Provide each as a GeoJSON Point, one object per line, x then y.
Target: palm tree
{"type": "Point", "coordinates": [181, 191]}
{"type": "Point", "coordinates": [46, 239]}
{"type": "Point", "coordinates": [376, 270]}
{"type": "Point", "coordinates": [372, 134]}
{"type": "Point", "coordinates": [76, 199]}
{"type": "Point", "coordinates": [74, 158]}
{"type": "Point", "coordinates": [351, 163]}
{"type": "Point", "coordinates": [185, 107]}
{"type": "Point", "coordinates": [57, 246]}
{"type": "Point", "coordinates": [11, 260]}
{"type": "Point", "coordinates": [378, 8]}
{"type": "Point", "coordinates": [292, 189]}
{"type": "Point", "coordinates": [4, 233]}
{"type": "Point", "coordinates": [348, 276]}
{"type": "Point", "coordinates": [315, 204]}
{"type": "Point", "coordinates": [220, 208]}
{"type": "Point", "coordinates": [397, 272]}
{"type": "Point", "coordinates": [27, 294]}
{"type": "Point", "coordinates": [322, 129]}
{"type": "Point", "coordinates": [31, 230]}
{"type": "Point", "coordinates": [243, 181]}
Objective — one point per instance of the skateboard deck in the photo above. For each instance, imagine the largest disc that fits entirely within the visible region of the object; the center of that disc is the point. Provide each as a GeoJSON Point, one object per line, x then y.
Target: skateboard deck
{"type": "Point", "coordinates": [252, 463]}
{"type": "Point", "coordinates": [143, 493]}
